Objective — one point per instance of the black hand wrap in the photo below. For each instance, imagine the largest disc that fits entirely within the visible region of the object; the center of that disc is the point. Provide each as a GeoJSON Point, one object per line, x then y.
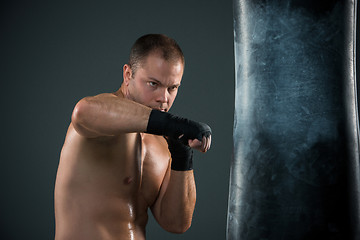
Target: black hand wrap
{"type": "Point", "coordinates": [181, 155]}
{"type": "Point", "coordinates": [178, 131]}
{"type": "Point", "coordinates": [166, 124]}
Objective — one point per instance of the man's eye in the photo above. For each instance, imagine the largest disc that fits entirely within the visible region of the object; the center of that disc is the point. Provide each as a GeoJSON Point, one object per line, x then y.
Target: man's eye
{"type": "Point", "coordinates": [152, 84]}
{"type": "Point", "coordinates": [173, 88]}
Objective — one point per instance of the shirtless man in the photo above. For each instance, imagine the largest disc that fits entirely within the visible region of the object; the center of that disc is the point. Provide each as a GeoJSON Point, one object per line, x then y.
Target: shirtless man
{"type": "Point", "coordinates": [124, 153]}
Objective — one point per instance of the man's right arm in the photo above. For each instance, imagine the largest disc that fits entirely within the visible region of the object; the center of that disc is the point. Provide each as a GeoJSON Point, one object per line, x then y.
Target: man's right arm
{"type": "Point", "coordinates": [109, 115]}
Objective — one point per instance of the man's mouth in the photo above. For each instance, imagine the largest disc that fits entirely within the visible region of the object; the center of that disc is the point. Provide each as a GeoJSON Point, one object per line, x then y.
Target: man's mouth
{"type": "Point", "coordinates": [160, 109]}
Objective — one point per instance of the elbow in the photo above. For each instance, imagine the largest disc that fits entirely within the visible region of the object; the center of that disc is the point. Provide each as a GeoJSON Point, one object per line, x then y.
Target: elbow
{"type": "Point", "coordinates": [180, 229]}
{"type": "Point", "coordinates": [177, 227]}
{"type": "Point", "coordinates": [78, 115]}
{"type": "Point", "coordinates": [80, 118]}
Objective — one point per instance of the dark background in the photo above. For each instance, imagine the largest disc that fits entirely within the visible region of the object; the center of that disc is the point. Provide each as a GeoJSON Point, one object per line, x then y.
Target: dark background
{"type": "Point", "coordinates": [55, 53]}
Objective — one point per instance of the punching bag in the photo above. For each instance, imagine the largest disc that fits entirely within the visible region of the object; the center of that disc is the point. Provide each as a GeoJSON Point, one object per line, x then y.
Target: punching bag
{"type": "Point", "coordinates": [295, 170]}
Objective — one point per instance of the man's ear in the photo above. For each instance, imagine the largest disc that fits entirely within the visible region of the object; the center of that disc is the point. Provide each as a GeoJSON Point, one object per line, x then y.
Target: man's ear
{"type": "Point", "coordinates": [127, 74]}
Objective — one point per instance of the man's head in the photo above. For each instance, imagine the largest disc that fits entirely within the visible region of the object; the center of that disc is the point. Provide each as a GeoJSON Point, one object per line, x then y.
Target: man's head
{"type": "Point", "coordinates": [154, 71]}
{"type": "Point", "coordinates": [166, 47]}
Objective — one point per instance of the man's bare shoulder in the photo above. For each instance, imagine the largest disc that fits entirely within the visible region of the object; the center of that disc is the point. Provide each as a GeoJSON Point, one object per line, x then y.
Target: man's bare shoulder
{"type": "Point", "coordinates": [155, 166]}
{"type": "Point", "coordinates": [155, 142]}
{"type": "Point", "coordinates": [156, 153]}
{"type": "Point", "coordinates": [113, 95]}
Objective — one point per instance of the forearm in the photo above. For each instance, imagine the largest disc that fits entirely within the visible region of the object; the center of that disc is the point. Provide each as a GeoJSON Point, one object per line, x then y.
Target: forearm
{"type": "Point", "coordinates": [109, 115]}
{"type": "Point", "coordinates": [177, 205]}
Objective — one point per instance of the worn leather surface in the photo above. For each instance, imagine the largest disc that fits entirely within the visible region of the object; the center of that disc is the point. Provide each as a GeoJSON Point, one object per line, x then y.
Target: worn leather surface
{"type": "Point", "coordinates": [294, 173]}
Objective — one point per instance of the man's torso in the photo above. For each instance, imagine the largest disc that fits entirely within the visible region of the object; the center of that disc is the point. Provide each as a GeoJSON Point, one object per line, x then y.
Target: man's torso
{"type": "Point", "coordinates": [105, 186]}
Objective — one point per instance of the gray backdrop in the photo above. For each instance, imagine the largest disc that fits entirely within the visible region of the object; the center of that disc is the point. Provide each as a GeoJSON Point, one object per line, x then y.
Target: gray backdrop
{"type": "Point", "coordinates": [53, 54]}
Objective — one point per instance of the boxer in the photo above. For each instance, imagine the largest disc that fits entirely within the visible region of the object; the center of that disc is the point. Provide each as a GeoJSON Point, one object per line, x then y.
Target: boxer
{"type": "Point", "coordinates": [124, 153]}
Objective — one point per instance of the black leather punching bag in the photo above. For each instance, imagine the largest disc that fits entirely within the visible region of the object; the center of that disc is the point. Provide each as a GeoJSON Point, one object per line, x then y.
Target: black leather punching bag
{"type": "Point", "coordinates": [295, 170]}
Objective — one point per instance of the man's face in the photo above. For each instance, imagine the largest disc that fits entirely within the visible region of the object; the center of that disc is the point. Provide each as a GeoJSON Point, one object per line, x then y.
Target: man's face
{"type": "Point", "coordinates": [155, 83]}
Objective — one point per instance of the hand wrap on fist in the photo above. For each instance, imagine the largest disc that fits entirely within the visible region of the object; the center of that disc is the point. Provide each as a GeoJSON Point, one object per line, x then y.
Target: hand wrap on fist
{"type": "Point", "coordinates": [177, 131]}
{"type": "Point", "coordinates": [166, 124]}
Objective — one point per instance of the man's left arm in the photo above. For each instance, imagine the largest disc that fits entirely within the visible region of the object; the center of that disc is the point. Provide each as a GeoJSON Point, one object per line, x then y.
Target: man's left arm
{"type": "Point", "coordinates": [176, 202]}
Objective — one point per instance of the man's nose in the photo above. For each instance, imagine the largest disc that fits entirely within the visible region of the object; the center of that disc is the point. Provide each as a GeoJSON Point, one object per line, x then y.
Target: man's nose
{"type": "Point", "coordinates": [163, 95]}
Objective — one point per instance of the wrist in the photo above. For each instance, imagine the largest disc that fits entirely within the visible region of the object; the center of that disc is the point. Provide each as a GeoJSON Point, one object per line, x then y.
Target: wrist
{"type": "Point", "coordinates": [181, 155]}
{"type": "Point", "coordinates": [156, 122]}
{"type": "Point", "coordinates": [166, 124]}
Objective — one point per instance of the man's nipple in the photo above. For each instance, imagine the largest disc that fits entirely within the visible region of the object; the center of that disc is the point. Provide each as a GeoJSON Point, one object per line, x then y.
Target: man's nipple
{"type": "Point", "coordinates": [128, 180]}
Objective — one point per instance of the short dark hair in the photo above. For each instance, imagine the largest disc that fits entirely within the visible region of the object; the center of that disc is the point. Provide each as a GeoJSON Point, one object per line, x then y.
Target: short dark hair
{"type": "Point", "coordinates": [150, 43]}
